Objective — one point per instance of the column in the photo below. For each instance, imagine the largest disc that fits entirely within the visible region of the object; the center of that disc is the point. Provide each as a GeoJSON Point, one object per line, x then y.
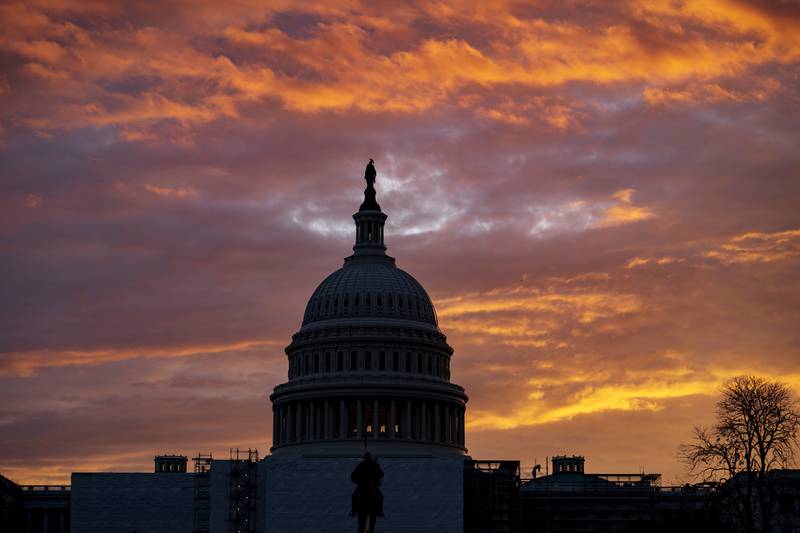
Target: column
{"type": "Point", "coordinates": [44, 521]}
{"type": "Point", "coordinates": [406, 429]}
{"type": "Point", "coordinates": [376, 423]}
{"type": "Point", "coordinates": [326, 420]}
{"type": "Point", "coordinates": [61, 521]}
{"type": "Point", "coordinates": [461, 424]}
{"type": "Point", "coordinates": [424, 419]}
{"type": "Point", "coordinates": [448, 428]}
{"type": "Point", "coordinates": [437, 422]}
{"type": "Point", "coordinates": [289, 423]}
{"type": "Point", "coordinates": [284, 424]}
{"type": "Point", "coordinates": [275, 434]}
{"type": "Point", "coordinates": [391, 419]}
{"type": "Point", "coordinates": [359, 418]}
{"type": "Point", "coordinates": [298, 422]}
{"type": "Point", "coordinates": [342, 420]}
{"type": "Point", "coordinates": [312, 421]}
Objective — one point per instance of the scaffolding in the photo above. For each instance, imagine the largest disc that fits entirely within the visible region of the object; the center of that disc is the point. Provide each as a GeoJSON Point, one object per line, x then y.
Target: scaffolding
{"type": "Point", "coordinates": [242, 490]}
{"type": "Point", "coordinates": [202, 492]}
{"type": "Point", "coordinates": [491, 497]}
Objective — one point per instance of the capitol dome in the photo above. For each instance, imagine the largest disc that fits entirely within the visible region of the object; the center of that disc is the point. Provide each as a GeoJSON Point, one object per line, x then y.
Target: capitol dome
{"type": "Point", "coordinates": [369, 365]}
{"type": "Point", "coordinates": [375, 289]}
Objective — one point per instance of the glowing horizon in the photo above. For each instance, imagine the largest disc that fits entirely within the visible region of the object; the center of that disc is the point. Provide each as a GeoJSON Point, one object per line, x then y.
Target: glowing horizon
{"type": "Point", "coordinates": [600, 199]}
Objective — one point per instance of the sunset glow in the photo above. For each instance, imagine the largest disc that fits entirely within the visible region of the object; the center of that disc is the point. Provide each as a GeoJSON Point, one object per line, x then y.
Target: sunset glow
{"type": "Point", "coordinates": [600, 198]}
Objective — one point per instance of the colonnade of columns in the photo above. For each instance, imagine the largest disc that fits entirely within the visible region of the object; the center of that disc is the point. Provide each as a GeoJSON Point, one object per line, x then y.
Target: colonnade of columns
{"type": "Point", "coordinates": [369, 231]}
{"type": "Point", "coordinates": [414, 419]}
{"type": "Point", "coordinates": [46, 520]}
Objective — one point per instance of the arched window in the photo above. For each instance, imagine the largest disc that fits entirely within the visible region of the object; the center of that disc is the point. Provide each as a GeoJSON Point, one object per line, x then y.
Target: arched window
{"type": "Point", "coordinates": [340, 361]}
{"type": "Point", "coordinates": [367, 301]}
{"type": "Point", "coordinates": [353, 361]}
{"type": "Point", "coordinates": [419, 363]}
{"type": "Point", "coordinates": [396, 361]}
{"type": "Point", "coordinates": [382, 361]}
{"type": "Point", "coordinates": [327, 361]}
{"type": "Point", "coordinates": [367, 360]}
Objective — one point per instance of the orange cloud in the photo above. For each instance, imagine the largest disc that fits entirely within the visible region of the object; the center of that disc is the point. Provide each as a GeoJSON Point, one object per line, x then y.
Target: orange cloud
{"type": "Point", "coordinates": [710, 93]}
{"type": "Point", "coordinates": [336, 66]}
{"type": "Point", "coordinates": [756, 247]}
{"type": "Point", "coordinates": [171, 192]}
{"type": "Point", "coordinates": [624, 212]}
{"type": "Point", "coordinates": [643, 261]}
{"type": "Point", "coordinates": [530, 317]}
{"type": "Point", "coordinates": [28, 362]}
{"type": "Point", "coordinates": [634, 393]}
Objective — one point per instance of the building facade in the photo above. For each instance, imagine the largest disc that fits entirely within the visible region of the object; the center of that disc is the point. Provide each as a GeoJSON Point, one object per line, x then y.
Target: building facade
{"type": "Point", "coordinates": [369, 370]}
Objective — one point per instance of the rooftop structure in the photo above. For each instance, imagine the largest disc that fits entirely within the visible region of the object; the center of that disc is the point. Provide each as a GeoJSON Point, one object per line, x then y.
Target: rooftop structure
{"type": "Point", "coordinates": [170, 463]}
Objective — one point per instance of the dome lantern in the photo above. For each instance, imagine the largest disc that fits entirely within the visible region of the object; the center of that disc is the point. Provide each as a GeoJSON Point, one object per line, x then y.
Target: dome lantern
{"type": "Point", "coordinates": [369, 220]}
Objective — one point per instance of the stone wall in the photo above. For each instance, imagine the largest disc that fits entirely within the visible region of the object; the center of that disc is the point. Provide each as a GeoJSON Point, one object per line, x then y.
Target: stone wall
{"type": "Point", "coordinates": [124, 503]}
{"type": "Point", "coordinates": [312, 494]}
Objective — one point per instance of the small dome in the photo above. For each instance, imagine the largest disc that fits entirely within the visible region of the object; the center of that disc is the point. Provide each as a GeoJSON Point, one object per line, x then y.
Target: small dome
{"type": "Point", "coordinates": [372, 289]}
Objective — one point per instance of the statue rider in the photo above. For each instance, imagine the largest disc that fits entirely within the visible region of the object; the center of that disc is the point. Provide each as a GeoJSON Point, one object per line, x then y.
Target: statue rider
{"type": "Point", "coordinates": [367, 476]}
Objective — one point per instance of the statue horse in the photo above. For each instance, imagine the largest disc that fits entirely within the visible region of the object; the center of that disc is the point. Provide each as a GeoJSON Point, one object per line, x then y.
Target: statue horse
{"type": "Point", "coordinates": [367, 505]}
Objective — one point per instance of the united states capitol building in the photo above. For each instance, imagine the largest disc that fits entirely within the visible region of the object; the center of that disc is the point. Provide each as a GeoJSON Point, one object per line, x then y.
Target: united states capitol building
{"type": "Point", "coordinates": [369, 369]}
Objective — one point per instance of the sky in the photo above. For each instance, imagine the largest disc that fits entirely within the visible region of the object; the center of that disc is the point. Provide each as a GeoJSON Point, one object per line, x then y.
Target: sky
{"type": "Point", "coordinates": [600, 198]}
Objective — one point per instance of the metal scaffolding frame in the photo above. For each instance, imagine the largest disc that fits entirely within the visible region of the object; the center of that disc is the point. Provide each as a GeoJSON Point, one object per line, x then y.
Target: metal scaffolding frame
{"type": "Point", "coordinates": [491, 497]}
{"type": "Point", "coordinates": [202, 492]}
{"type": "Point", "coordinates": [242, 490]}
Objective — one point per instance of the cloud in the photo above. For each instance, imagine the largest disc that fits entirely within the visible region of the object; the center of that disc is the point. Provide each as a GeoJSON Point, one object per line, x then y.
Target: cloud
{"type": "Point", "coordinates": [171, 192]}
{"type": "Point", "coordinates": [26, 363]}
{"type": "Point", "coordinates": [130, 72]}
{"type": "Point", "coordinates": [624, 212]}
{"type": "Point", "coordinates": [601, 200]}
{"type": "Point", "coordinates": [757, 247]}
{"type": "Point", "coordinates": [710, 92]}
{"type": "Point", "coordinates": [643, 261]}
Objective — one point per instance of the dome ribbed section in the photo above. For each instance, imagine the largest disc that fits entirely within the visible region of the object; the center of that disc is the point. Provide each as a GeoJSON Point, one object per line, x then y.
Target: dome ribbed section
{"type": "Point", "coordinates": [373, 289]}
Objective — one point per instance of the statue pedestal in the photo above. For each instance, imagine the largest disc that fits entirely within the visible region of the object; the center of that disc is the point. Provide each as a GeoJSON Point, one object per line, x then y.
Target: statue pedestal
{"type": "Point", "coordinates": [311, 494]}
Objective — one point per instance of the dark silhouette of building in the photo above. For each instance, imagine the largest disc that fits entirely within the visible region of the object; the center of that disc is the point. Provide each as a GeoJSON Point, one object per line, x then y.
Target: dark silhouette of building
{"type": "Point", "coordinates": [170, 463]}
{"type": "Point", "coordinates": [369, 368]}
{"type": "Point", "coordinates": [571, 500]}
{"type": "Point", "coordinates": [491, 497]}
{"type": "Point", "coordinates": [34, 508]}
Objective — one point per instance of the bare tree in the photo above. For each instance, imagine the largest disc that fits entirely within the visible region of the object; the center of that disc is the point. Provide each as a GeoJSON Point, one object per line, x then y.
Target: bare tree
{"type": "Point", "coordinates": [756, 433]}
